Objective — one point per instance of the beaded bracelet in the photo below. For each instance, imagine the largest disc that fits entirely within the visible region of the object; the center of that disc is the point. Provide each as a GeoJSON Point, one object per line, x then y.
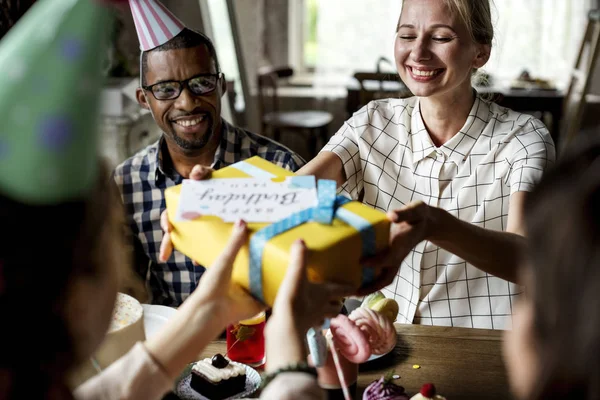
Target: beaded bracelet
{"type": "Point", "coordinates": [297, 367]}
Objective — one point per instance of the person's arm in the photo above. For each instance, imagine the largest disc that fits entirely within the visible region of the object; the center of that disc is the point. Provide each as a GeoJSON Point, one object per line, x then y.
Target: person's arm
{"type": "Point", "coordinates": [136, 375]}
{"type": "Point", "coordinates": [326, 165]}
{"type": "Point", "coordinates": [300, 305]}
{"type": "Point", "coordinates": [285, 344]}
{"type": "Point", "coordinates": [148, 371]}
{"type": "Point", "coordinates": [151, 368]}
{"type": "Point", "coordinates": [293, 386]}
{"type": "Point", "coordinates": [204, 315]}
{"type": "Point", "coordinates": [498, 252]}
{"type": "Point", "coordinates": [495, 252]}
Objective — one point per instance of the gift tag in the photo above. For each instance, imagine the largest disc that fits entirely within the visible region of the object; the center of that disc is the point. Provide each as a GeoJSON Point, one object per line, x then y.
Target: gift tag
{"type": "Point", "coordinates": [251, 199]}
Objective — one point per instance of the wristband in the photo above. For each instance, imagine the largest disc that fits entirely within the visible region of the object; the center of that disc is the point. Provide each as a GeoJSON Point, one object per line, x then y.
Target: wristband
{"type": "Point", "coordinates": [297, 367]}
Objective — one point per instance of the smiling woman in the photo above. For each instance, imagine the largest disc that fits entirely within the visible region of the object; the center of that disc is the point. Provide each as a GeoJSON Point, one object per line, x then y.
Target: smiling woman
{"type": "Point", "coordinates": [438, 51]}
{"type": "Point", "coordinates": [451, 169]}
{"type": "Point", "coordinates": [528, 35]}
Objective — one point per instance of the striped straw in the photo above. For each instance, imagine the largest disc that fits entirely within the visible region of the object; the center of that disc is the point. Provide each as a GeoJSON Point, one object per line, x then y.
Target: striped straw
{"type": "Point", "coordinates": [339, 370]}
{"type": "Point", "coordinates": [154, 23]}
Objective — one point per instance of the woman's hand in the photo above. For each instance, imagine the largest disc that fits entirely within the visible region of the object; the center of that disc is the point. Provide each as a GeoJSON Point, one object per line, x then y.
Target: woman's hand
{"type": "Point", "coordinates": [299, 305]}
{"type": "Point", "coordinates": [410, 226]}
{"type": "Point", "coordinates": [229, 302]}
{"type": "Point", "coordinates": [307, 303]}
{"type": "Point", "coordinates": [212, 306]}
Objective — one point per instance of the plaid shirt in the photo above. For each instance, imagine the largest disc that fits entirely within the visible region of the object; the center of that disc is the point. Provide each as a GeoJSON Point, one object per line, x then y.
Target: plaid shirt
{"type": "Point", "coordinates": [142, 180]}
{"type": "Point", "coordinates": [388, 154]}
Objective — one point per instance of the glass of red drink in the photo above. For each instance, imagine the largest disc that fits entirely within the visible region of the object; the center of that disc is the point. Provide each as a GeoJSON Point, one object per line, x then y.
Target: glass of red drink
{"type": "Point", "coordinates": [246, 341]}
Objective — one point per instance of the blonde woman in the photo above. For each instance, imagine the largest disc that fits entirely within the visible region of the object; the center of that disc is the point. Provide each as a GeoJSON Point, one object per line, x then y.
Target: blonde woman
{"type": "Point", "coordinates": [451, 169]}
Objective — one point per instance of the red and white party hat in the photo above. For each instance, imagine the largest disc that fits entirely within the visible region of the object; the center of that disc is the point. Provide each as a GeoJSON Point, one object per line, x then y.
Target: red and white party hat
{"type": "Point", "coordinates": [154, 23]}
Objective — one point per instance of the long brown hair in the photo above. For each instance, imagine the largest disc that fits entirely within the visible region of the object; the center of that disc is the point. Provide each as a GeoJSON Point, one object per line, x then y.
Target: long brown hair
{"type": "Point", "coordinates": [563, 220]}
{"type": "Point", "coordinates": [43, 249]}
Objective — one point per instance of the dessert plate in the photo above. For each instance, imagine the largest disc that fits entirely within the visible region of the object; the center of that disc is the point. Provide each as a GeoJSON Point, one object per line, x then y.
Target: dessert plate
{"type": "Point", "coordinates": [185, 391]}
{"type": "Point", "coordinates": [377, 356]}
{"type": "Point", "coordinates": [352, 304]}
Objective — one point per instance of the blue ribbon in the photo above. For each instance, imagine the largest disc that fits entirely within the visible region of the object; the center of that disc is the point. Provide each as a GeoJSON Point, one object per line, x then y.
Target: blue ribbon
{"type": "Point", "coordinates": [252, 170]}
{"type": "Point", "coordinates": [329, 206]}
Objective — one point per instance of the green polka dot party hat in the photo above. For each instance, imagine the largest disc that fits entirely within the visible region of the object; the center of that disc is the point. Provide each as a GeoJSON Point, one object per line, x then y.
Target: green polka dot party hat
{"type": "Point", "coordinates": [51, 63]}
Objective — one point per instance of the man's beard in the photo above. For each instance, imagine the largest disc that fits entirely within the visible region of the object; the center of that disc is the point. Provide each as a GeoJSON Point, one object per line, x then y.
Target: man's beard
{"type": "Point", "coordinates": [197, 144]}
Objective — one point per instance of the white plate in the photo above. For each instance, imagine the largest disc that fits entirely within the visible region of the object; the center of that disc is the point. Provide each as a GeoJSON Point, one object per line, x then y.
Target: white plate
{"type": "Point", "coordinates": [155, 316]}
{"type": "Point", "coordinates": [377, 356]}
{"type": "Point", "coordinates": [351, 304]}
{"type": "Point", "coordinates": [185, 391]}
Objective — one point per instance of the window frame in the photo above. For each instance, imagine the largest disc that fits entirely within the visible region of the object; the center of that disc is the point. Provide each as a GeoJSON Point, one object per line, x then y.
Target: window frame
{"type": "Point", "coordinates": [297, 36]}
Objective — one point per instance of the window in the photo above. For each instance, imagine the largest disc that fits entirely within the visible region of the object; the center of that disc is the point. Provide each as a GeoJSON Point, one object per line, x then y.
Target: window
{"type": "Point", "coordinates": [311, 11]}
{"type": "Point", "coordinates": [339, 37]}
{"type": "Point", "coordinates": [329, 36]}
{"type": "Point", "coordinates": [541, 36]}
{"type": "Point", "coordinates": [218, 24]}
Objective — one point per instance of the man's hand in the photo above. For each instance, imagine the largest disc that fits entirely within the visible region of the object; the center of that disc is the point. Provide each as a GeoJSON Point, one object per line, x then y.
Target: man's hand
{"type": "Point", "coordinates": [198, 173]}
{"type": "Point", "coordinates": [410, 226]}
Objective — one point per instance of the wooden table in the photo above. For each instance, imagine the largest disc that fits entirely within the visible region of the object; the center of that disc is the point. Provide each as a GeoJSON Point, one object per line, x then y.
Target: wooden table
{"type": "Point", "coordinates": [463, 363]}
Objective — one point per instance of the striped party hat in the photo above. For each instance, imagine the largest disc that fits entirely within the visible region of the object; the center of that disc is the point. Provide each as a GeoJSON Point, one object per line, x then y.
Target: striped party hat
{"type": "Point", "coordinates": [154, 23]}
{"type": "Point", "coordinates": [51, 63]}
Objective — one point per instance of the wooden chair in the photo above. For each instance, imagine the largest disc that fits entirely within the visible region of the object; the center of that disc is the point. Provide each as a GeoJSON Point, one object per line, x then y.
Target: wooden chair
{"type": "Point", "coordinates": [313, 123]}
{"type": "Point", "coordinates": [578, 93]}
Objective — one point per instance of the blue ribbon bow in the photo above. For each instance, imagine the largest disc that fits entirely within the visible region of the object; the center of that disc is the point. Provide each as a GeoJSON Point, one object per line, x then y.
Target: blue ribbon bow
{"type": "Point", "coordinates": [329, 206]}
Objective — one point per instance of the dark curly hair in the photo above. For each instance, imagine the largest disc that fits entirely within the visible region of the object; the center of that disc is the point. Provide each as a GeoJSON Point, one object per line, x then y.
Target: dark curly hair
{"type": "Point", "coordinates": [563, 220]}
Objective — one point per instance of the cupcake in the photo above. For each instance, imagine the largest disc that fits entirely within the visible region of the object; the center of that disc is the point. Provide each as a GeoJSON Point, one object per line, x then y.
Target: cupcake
{"type": "Point", "coordinates": [377, 328]}
{"type": "Point", "coordinates": [427, 393]}
{"type": "Point", "coordinates": [384, 389]}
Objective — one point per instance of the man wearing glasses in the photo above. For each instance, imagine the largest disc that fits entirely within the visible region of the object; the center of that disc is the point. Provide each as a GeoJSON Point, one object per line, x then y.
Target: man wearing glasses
{"type": "Point", "coordinates": [182, 86]}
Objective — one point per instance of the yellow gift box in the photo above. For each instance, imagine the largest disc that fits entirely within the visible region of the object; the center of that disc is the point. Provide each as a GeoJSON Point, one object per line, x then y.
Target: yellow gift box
{"type": "Point", "coordinates": [334, 250]}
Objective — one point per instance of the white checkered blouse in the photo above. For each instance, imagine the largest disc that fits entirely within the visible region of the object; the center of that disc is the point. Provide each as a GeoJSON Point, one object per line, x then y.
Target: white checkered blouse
{"type": "Point", "coordinates": [387, 152]}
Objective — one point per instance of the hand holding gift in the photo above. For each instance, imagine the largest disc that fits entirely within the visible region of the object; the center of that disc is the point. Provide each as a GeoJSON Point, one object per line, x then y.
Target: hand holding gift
{"type": "Point", "coordinates": [353, 339]}
{"type": "Point", "coordinates": [338, 234]}
{"type": "Point", "coordinates": [198, 173]}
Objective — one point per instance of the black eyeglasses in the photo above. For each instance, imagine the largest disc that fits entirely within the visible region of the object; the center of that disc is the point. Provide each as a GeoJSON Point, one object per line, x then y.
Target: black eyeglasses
{"type": "Point", "coordinates": [199, 85]}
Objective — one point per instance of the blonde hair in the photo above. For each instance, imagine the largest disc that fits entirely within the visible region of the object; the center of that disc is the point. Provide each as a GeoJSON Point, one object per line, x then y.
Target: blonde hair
{"type": "Point", "coordinates": [477, 17]}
